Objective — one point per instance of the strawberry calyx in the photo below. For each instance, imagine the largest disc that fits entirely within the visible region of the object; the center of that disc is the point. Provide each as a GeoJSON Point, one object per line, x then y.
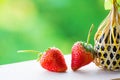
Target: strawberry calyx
{"type": "Point", "coordinates": [88, 48]}
{"type": "Point", "coordinates": [39, 56]}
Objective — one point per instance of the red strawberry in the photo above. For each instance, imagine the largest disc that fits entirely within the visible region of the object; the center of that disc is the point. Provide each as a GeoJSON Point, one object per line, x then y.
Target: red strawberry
{"type": "Point", "coordinates": [82, 54]}
{"type": "Point", "coordinates": [53, 60]}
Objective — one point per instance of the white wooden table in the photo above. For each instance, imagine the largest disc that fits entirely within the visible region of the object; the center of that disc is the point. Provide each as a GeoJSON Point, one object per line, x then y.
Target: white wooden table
{"type": "Point", "coordinates": [31, 70]}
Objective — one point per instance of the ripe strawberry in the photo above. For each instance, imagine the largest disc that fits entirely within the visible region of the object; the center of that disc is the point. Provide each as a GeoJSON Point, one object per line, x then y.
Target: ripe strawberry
{"type": "Point", "coordinates": [53, 60]}
{"type": "Point", "coordinates": [82, 54]}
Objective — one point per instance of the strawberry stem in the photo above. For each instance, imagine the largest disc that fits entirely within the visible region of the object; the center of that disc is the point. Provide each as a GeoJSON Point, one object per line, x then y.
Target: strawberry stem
{"type": "Point", "coordinates": [90, 30]}
{"type": "Point", "coordinates": [33, 51]}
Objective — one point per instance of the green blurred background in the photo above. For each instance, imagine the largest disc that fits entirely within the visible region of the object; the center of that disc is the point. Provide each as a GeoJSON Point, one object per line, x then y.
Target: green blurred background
{"type": "Point", "coordinates": [39, 24]}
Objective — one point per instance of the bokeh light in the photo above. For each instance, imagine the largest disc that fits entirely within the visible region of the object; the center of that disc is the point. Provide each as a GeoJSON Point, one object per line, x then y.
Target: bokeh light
{"type": "Point", "coordinates": [39, 24]}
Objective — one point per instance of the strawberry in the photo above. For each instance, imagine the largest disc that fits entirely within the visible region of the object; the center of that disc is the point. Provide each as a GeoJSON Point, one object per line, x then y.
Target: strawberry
{"type": "Point", "coordinates": [53, 60]}
{"type": "Point", "coordinates": [82, 54]}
